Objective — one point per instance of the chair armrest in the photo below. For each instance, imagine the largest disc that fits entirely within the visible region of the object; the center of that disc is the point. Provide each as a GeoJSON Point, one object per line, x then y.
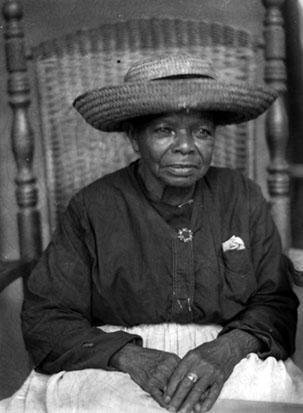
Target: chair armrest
{"type": "Point", "coordinates": [11, 270]}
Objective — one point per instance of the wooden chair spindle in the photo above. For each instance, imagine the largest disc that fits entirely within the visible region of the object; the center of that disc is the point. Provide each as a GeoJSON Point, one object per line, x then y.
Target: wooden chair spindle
{"type": "Point", "coordinates": [22, 137]}
{"type": "Point", "coordinates": [277, 121]}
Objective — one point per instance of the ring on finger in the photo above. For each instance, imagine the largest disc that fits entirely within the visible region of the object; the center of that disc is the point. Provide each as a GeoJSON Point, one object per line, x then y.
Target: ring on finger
{"type": "Point", "coordinates": [193, 377]}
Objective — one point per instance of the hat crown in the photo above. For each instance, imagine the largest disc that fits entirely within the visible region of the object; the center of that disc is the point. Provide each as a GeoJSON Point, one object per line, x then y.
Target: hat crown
{"type": "Point", "coordinates": [170, 67]}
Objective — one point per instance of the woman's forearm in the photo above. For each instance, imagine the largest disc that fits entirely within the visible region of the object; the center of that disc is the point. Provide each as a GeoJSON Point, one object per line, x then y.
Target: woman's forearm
{"type": "Point", "coordinates": [239, 344]}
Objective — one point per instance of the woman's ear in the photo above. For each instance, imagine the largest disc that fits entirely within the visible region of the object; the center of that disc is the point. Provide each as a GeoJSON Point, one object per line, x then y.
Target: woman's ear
{"type": "Point", "coordinates": [132, 136]}
{"type": "Point", "coordinates": [134, 144]}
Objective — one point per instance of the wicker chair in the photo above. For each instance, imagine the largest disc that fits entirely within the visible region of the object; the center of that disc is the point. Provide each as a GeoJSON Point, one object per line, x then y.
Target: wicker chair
{"type": "Point", "coordinates": [75, 154]}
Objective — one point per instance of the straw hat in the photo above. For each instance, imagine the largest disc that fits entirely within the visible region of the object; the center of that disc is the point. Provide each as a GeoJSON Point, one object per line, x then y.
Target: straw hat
{"type": "Point", "coordinates": [170, 84]}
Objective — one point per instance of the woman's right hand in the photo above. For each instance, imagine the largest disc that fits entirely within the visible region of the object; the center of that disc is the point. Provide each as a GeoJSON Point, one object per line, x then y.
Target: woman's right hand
{"type": "Point", "coordinates": [150, 369]}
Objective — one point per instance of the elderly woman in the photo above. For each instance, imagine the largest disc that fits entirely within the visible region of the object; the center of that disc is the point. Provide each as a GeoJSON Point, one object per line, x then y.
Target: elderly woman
{"type": "Point", "coordinates": [169, 270]}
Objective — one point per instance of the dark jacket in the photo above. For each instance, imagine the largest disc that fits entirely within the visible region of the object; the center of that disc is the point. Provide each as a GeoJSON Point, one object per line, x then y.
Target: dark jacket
{"type": "Point", "coordinates": [115, 260]}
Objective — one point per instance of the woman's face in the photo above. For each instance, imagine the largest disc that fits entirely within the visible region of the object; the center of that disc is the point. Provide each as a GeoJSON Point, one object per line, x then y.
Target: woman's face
{"type": "Point", "coordinates": [175, 148]}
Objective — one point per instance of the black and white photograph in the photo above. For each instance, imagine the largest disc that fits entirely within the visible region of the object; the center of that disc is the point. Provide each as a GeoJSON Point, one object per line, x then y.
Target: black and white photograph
{"type": "Point", "coordinates": [151, 206]}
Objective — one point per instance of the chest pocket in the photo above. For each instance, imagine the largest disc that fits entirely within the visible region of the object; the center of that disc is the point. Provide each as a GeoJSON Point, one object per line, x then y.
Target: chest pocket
{"type": "Point", "coordinates": [239, 277]}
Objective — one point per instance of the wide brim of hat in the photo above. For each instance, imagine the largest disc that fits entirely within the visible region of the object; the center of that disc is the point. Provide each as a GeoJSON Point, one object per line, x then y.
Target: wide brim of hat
{"type": "Point", "coordinates": [109, 107]}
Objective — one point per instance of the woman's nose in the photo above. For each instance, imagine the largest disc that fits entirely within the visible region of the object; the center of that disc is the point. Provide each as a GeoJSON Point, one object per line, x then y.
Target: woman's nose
{"type": "Point", "coordinates": [184, 142]}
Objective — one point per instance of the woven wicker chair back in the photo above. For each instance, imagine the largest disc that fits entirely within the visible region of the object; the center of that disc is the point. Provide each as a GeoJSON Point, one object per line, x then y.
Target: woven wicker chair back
{"type": "Point", "coordinates": [75, 153]}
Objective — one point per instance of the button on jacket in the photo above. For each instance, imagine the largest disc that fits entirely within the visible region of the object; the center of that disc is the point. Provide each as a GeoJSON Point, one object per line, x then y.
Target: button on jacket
{"type": "Point", "coordinates": [114, 259]}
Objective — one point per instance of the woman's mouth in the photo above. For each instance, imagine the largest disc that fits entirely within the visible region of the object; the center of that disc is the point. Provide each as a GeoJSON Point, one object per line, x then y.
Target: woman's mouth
{"type": "Point", "coordinates": [181, 169]}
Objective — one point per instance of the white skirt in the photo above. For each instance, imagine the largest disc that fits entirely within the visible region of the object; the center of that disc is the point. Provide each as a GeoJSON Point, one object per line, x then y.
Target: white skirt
{"type": "Point", "coordinates": [93, 390]}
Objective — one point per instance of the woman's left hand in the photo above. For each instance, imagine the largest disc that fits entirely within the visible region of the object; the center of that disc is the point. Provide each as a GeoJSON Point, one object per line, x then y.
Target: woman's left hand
{"type": "Point", "coordinates": [197, 381]}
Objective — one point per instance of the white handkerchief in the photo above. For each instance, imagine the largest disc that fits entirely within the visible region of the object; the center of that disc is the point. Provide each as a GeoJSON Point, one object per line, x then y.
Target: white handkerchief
{"type": "Point", "coordinates": [233, 243]}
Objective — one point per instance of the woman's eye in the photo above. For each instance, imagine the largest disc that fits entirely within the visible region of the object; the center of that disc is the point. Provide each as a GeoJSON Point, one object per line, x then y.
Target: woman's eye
{"type": "Point", "coordinates": [202, 133]}
{"type": "Point", "coordinates": [164, 131]}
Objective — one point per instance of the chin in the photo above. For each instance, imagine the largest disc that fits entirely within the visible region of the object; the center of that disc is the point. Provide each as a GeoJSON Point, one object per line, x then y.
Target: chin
{"type": "Point", "coordinates": [181, 182]}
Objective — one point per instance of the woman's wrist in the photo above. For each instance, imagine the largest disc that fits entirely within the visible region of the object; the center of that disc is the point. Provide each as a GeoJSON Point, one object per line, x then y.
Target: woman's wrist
{"type": "Point", "coordinates": [121, 359]}
{"type": "Point", "coordinates": [241, 343]}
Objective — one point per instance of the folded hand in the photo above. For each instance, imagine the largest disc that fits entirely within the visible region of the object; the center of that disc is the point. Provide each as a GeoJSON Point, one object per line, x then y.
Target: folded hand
{"type": "Point", "coordinates": [149, 368]}
{"type": "Point", "coordinates": [193, 383]}
{"type": "Point", "coordinates": [197, 381]}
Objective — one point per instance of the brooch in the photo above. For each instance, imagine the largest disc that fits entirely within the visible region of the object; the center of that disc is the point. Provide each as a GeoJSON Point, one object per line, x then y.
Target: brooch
{"type": "Point", "coordinates": [185, 234]}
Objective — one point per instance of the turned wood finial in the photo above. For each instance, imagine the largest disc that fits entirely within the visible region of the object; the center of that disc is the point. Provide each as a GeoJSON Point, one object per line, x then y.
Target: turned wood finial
{"type": "Point", "coordinates": [12, 10]}
{"type": "Point", "coordinates": [22, 137]}
{"type": "Point", "coordinates": [277, 121]}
